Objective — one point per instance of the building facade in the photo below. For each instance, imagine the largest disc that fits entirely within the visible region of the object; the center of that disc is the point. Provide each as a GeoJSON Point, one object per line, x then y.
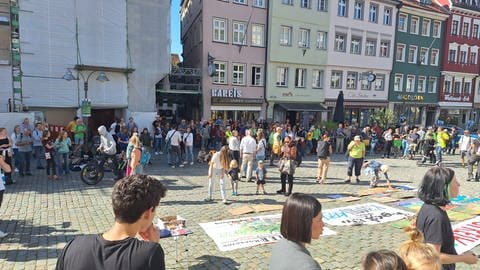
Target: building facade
{"type": "Point", "coordinates": [296, 59]}
{"type": "Point", "coordinates": [8, 22]}
{"type": "Point", "coordinates": [414, 83]}
{"type": "Point", "coordinates": [460, 69]}
{"type": "Point", "coordinates": [360, 52]}
{"type": "Point", "coordinates": [85, 39]}
{"type": "Point", "coordinates": [226, 40]}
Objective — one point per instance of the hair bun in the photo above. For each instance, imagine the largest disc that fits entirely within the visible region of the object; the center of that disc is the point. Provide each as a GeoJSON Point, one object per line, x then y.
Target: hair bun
{"type": "Point", "coordinates": [414, 234]}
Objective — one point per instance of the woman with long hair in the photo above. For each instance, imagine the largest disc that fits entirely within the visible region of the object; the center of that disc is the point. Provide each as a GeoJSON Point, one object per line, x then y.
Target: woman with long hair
{"type": "Point", "coordinates": [49, 147]}
{"type": "Point", "coordinates": [62, 145]}
{"type": "Point", "coordinates": [287, 165]}
{"type": "Point", "coordinates": [219, 165]}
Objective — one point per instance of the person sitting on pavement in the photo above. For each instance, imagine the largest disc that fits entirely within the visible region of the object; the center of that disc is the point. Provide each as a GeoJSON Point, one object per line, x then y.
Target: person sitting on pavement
{"type": "Point", "coordinates": [372, 168]}
{"type": "Point", "coordinates": [383, 260]}
{"type": "Point", "coordinates": [134, 199]}
{"type": "Point", "coordinates": [301, 222]}
{"type": "Point", "coordinates": [417, 254]}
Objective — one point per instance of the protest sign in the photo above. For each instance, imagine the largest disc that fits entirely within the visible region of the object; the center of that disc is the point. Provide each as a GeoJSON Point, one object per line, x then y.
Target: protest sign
{"type": "Point", "coordinates": [368, 213]}
{"type": "Point", "coordinates": [246, 232]}
{"type": "Point", "coordinates": [466, 234]}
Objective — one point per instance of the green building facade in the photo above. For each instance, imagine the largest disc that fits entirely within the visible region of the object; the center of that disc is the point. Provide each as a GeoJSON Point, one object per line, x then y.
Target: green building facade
{"type": "Point", "coordinates": [415, 77]}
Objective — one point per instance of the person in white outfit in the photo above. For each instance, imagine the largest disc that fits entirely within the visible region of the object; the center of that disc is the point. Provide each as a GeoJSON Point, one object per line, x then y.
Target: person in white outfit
{"type": "Point", "coordinates": [465, 145]}
{"type": "Point", "coordinates": [219, 164]}
{"type": "Point", "coordinates": [188, 141]}
{"type": "Point", "coordinates": [248, 151]}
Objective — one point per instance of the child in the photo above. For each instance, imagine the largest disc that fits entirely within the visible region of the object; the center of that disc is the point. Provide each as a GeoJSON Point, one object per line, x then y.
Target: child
{"type": "Point", "coordinates": [373, 168]}
{"type": "Point", "coordinates": [260, 174]}
{"type": "Point", "coordinates": [233, 175]}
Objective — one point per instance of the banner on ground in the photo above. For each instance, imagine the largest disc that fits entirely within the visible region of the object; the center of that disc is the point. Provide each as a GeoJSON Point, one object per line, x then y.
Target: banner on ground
{"type": "Point", "coordinates": [246, 232]}
{"type": "Point", "coordinates": [466, 234]}
{"type": "Point", "coordinates": [368, 213]}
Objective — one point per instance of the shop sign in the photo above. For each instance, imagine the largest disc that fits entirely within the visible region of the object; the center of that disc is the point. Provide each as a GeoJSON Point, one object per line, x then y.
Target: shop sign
{"type": "Point", "coordinates": [458, 98]}
{"type": "Point", "coordinates": [217, 100]}
{"type": "Point", "coordinates": [357, 95]}
{"type": "Point", "coordinates": [227, 93]}
{"type": "Point", "coordinates": [411, 97]}
{"type": "Point", "coordinates": [86, 108]}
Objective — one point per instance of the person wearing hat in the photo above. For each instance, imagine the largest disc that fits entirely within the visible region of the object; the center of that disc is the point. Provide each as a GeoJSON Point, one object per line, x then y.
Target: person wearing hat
{"type": "Point", "coordinates": [356, 153]}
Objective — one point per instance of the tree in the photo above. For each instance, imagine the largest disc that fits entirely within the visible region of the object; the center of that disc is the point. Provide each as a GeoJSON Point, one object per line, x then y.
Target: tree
{"type": "Point", "coordinates": [384, 118]}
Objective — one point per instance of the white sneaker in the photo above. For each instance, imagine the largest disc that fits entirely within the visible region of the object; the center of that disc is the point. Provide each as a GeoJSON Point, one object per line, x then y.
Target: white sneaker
{"type": "Point", "coordinates": [156, 153]}
{"type": "Point", "coordinates": [191, 163]}
{"type": "Point", "coordinates": [16, 170]}
{"type": "Point", "coordinates": [181, 165]}
{"type": "Point", "coordinates": [185, 162]}
{"type": "Point", "coordinates": [3, 234]}
{"type": "Point", "coordinates": [161, 153]}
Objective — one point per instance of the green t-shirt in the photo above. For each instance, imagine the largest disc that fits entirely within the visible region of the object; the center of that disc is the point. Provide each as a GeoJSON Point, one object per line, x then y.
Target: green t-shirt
{"type": "Point", "coordinates": [80, 131]}
{"type": "Point", "coordinates": [316, 134]}
{"type": "Point", "coordinates": [357, 151]}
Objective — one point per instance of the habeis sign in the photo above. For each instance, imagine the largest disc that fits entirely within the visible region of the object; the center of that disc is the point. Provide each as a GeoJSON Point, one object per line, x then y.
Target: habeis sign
{"type": "Point", "coordinates": [227, 93]}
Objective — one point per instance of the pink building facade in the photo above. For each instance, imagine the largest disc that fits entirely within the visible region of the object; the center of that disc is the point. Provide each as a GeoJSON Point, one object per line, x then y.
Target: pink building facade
{"type": "Point", "coordinates": [227, 41]}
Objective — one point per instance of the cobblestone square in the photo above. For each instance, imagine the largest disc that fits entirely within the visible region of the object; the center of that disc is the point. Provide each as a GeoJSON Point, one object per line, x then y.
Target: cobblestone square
{"type": "Point", "coordinates": [42, 215]}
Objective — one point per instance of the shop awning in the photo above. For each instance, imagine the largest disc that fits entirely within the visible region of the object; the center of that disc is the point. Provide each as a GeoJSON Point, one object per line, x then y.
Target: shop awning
{"type": "Point", "coordinates": [305, 107]}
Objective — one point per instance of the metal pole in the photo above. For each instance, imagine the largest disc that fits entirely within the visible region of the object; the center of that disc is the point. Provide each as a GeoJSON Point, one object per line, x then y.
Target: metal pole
{"type": "Point", "coordinates": [85, 88]}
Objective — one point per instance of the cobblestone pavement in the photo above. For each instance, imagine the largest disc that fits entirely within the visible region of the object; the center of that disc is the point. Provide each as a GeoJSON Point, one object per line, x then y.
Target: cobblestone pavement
{"type": "Point", "coordinates": [41, 216]}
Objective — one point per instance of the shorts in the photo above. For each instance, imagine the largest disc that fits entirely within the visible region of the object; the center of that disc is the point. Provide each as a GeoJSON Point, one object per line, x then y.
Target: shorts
{"type": "Point", "coordinates": [261, 182]}
{"type": "Point", "coordinates": [464, 153]}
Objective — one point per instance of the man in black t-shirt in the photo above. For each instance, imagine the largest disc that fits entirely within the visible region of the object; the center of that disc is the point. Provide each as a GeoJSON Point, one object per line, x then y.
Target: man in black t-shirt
{"type": "Point", "coordinates": [134, 200]}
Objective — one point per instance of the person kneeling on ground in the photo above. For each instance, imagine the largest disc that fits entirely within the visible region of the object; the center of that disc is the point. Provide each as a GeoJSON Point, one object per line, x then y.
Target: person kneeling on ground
{"type": "Point", "coordinates": [134, 201]}
{"type": "Point", "coordinates": [373, 168]}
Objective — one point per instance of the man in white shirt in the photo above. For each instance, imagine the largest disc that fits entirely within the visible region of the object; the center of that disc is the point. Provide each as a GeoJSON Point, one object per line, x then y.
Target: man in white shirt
{"type": "Point", "coordinates": [248, 149]}
{"type": "Point", "coordinates": [174, 137]}
{"type": "Point", "coordinates": [465, 145]}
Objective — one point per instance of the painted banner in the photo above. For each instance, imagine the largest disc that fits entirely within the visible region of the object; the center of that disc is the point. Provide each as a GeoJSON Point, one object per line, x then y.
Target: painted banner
{"type": "Point", "coordinates": [466, 234]}
{"type": "Point", "coordinates": [368, 213]}
{"type": "Point", "coordinates": [247, 232]}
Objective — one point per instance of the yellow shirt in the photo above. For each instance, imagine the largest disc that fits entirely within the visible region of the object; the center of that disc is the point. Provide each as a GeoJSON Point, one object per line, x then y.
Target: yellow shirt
{"type": "Point", "coordinates": [356, 151]}
{"type": "Point", "coordinates": [442, 139]}
{"type": "Point", "coordinates": [309, 135]}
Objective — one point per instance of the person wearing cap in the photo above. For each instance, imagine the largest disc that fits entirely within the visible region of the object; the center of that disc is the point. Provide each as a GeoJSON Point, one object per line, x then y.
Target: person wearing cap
{"type": "Point", "coordinates": [356, 153]}
{"type": "Point", "coordinates": [464, 145]}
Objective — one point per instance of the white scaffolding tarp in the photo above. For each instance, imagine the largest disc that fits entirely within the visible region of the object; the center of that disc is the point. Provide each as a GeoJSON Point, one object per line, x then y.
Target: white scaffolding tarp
{"type": "Point", "coordinates": [5, 87]}
{"type": "Point", "coordinates": [49, 47]}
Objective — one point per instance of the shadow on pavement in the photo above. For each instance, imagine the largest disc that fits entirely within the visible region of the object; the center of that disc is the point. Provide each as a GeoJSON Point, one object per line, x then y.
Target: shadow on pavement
{"type": "Point", "coordinates": [214, 262]}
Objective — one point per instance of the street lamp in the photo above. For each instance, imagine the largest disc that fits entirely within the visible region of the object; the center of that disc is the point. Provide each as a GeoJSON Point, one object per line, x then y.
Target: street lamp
{"type": "Point", "coordinates": [86, 104]}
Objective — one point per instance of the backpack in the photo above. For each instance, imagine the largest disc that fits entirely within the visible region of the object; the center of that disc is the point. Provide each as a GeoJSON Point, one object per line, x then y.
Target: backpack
{"type": "Point", "coordinates": [322, 149]}
{"type": "Point", "coordinates": [145, 157]}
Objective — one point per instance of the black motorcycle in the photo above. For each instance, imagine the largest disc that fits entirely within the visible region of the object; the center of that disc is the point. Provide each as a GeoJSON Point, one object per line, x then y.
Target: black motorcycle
{"type": "Point", "coordinates": [93, 172]}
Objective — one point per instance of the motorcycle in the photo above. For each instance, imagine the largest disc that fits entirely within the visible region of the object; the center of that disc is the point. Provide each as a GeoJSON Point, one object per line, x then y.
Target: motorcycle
{"type": "Point", "coordinates": [94, 171]}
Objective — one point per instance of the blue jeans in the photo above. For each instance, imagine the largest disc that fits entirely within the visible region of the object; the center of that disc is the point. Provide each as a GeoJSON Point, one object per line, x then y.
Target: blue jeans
{"type": "Point", "coordinates": [62, 163]}
{"type": "Point", "coordinates": [24, 162]}
{"type": "Point", "coordinates": [158, 144]}
{"type": "Point", "coordinates": [189, 153]}
{"type": "Point", "coordinates": [372, 147]}
{"type": "Point", "coordinates": [16, 158]}
{"type": "Point", "coordinates": [39, 154]}
{"type": "Point", "coordinates": [439, 151]}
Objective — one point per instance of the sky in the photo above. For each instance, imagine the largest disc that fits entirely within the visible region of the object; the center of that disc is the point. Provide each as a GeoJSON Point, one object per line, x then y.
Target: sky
{"type": "Point", "coordinates": [176, 46]}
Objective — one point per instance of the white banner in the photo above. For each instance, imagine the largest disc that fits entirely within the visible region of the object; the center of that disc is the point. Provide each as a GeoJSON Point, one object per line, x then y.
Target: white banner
{"type": "Point", "coordinates": [246, 232]}
{"type": "Point", "coordinates": [368, 213]}
{"type": "Point", "coordinates": [467, 234]}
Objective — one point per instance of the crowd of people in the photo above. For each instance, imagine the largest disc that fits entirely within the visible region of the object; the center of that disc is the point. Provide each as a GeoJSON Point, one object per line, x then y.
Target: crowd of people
{"type": "Point", "coordinates": [236, 150]}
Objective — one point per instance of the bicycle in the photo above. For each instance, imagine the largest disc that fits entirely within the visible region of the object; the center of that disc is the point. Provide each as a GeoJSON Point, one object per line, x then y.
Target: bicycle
{"type": "Point", "coordinates": [94, 171]}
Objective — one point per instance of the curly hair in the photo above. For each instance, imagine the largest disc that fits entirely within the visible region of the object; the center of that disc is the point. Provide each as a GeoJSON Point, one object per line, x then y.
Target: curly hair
{"type": "Point", "coordinates": [133, 195]}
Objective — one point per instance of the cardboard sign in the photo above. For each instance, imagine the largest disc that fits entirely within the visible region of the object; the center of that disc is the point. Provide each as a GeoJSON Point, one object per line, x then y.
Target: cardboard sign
{"type": "Point", "coordinates": [368, 213]}
{"type": "Point", "coordinates": [467, 235]}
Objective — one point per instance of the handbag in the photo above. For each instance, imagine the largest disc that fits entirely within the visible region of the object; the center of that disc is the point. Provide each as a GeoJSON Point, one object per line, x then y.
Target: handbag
{"type": "Point", "coordinates": [287, 166]}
